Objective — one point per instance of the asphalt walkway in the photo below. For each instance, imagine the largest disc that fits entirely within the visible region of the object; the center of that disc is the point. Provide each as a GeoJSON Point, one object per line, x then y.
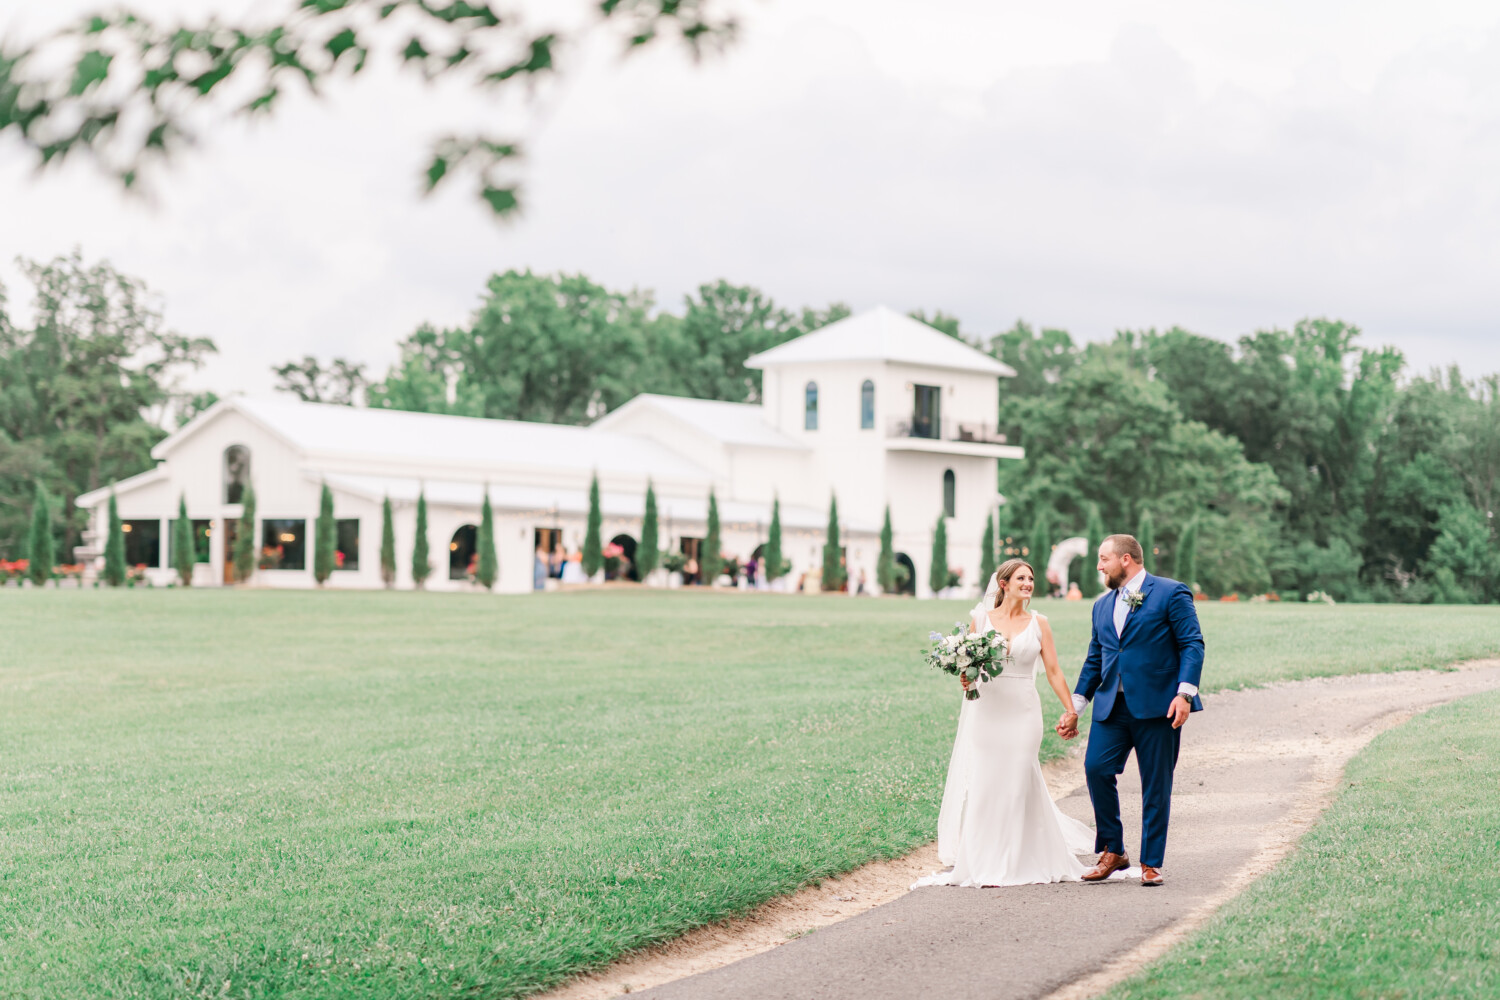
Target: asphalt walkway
{"type": "Point", "coordinates": [1255, 769]}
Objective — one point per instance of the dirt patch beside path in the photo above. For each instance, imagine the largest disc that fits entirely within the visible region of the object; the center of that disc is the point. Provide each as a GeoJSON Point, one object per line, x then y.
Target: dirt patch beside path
{"type": "Point", "coordinates": [1257, 770]}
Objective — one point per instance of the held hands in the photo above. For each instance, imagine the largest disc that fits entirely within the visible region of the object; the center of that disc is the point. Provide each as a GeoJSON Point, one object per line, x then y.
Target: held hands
{"type": "Point", "coordinates": [1179, 711]}
{"type": "Point", "coordinates": [1067, 726]}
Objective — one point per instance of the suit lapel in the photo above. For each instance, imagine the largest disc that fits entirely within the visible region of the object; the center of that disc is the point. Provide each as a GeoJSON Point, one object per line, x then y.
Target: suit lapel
{"type": "Point", "coordinates": [1131, 616]}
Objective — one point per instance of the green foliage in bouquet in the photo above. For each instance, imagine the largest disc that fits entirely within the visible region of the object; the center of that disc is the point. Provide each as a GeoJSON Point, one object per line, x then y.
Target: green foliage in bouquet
{"type": "Point", "coordinates": [974, 657]}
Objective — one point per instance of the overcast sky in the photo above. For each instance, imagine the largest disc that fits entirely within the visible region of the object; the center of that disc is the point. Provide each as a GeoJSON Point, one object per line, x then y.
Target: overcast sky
{"type": "Point", "coordinates": [1088, 164]}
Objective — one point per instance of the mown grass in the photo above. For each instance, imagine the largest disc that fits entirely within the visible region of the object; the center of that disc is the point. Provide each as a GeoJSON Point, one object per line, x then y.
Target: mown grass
{"type": "Point", "coordinates": [1395, 895]}
{"type": "Point", "coordinates": [262, 794]}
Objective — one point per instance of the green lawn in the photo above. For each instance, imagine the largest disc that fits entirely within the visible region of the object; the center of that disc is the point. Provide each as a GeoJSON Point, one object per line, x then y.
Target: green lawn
{"type": "Point", "coordinates": [402, 795]}
{"type": "Point", "coordinates": [1395, 894]}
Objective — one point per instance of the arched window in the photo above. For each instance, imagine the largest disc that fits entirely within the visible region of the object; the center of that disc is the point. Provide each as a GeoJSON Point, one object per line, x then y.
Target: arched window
{"type": "Point", "coordinates": [810, 418]}
{"type": "Point", "coordinates": [236, 472]}
{"type": "Point", "coordinates": [867, 405]}
{"type": "Point", "coordinates": [950, 488]}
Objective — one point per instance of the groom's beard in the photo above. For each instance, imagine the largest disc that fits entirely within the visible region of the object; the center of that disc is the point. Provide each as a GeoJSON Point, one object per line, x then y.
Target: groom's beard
{"type": "Point", "coordinates": [1114, 582]}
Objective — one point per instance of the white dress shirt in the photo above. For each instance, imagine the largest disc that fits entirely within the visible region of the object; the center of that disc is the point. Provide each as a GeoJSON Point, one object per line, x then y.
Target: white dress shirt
{"type": "Point", "coordinates": [1122, 611]}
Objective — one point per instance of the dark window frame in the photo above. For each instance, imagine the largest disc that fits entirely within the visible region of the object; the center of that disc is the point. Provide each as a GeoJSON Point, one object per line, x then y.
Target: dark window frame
{"type": "Point", "coordinates": [293, 551]}
{"type": "Point", "coordinates": [810, 407]}
{"type": "Point", "coordinates": [867, 405]}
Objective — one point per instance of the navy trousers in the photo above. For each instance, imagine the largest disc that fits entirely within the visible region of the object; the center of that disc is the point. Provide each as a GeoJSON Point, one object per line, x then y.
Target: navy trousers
{"type": "Point", "coordinates": [1155, 743]}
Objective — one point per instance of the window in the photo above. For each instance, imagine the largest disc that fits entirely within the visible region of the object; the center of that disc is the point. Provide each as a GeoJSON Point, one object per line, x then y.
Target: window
{"type": "Point", "coordinates": [142, 543]}
{"type": "Point", "coordinates": [810, 419]}
{"type": "Point", "coordinates": [346, 548]}
{"type": "Point", "coordinates": [950, 489]}
{"type": "Point", "coordinates": [201, 531]}
{"type": "Point", "coordinates": [867, 405]}
{"type": "Point", "coordinates": [463, 553]}
{"type": "Point", "coordinates": [283, 544]}
{"type": "Point", "coordinates": [927, 414]}
{"type": "Point", "coordinates": [236, 472]}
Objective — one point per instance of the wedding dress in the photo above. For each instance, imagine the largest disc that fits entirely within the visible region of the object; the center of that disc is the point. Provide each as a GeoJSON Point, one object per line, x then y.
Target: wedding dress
{"type": "Point", "coordinates": [998, 824]}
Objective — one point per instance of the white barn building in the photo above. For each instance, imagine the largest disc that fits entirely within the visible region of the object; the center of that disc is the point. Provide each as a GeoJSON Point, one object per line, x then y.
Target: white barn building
{"type": "Point", "coordinates": [875, 409]}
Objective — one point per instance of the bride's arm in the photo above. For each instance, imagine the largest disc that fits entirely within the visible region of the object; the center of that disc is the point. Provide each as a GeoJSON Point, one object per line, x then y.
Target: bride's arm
{"type": "Point", "coordinates": [1055, 676]}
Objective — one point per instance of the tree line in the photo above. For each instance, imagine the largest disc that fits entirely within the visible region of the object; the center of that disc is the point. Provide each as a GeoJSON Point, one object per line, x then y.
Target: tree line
{"type": "Point", "coordinates": [1292, 461]}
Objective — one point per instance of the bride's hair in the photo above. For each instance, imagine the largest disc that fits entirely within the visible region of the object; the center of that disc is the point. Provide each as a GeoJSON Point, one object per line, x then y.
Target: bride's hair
{"type": "Point", "coordinates": [1005, 572]}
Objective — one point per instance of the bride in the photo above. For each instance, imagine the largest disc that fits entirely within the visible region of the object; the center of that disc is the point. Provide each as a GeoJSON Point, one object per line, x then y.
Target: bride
{"type": "Point", "coordinates": [998, 824]}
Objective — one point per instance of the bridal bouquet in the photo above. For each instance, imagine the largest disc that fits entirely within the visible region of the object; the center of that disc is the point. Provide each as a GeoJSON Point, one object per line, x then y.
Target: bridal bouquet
{"type": "Point", "coordinates": [976, 657]}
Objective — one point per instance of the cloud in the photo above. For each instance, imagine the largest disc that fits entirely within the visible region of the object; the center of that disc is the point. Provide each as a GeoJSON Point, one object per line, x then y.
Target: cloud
{"type": "Point", "coordinates": [1162, 173]}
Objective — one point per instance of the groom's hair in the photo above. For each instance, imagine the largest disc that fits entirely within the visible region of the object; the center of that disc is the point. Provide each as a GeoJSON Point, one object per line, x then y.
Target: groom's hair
{"type": "Point", "coordinates": [1126, 545]}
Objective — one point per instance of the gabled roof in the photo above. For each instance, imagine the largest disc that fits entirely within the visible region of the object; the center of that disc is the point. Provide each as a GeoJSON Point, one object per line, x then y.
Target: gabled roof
{"type": "Point", "coordinates": [880, 334]}
{"type": "Point", "coordinates": [135, 482]}
{"type": "Point", "coordinates": [323, 429]}
{"type": "Point", "coordinates": [730, 423]}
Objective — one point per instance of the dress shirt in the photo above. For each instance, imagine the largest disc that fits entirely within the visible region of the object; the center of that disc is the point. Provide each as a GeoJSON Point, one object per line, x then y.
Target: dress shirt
{"type": "Point", "coordinates": [1122, 611]}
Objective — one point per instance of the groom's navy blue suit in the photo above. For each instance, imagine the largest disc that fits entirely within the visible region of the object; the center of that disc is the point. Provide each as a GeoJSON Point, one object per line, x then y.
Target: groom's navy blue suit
{"type": "Point", "coordinates": [1131, 679]}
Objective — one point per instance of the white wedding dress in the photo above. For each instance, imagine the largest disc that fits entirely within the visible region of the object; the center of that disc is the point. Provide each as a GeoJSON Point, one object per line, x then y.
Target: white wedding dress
{"type": "Point", "coordinates": [998, 824]}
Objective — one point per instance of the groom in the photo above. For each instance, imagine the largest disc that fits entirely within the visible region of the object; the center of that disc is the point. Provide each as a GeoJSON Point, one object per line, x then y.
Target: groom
{"type": "Point", "coordinates": [1143, 666]}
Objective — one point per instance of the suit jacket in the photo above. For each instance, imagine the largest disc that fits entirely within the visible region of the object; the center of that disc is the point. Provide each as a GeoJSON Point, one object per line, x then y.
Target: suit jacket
{"type": "Point", "coordinates": [1160, 647]}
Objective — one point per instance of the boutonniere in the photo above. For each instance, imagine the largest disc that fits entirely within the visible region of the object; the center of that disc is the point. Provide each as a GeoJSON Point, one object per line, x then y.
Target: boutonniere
{"type": "Point", "coordinates": [1133, 599]}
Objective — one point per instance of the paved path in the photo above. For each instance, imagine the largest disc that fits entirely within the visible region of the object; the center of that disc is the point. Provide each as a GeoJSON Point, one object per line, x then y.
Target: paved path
{"type": "Point", "coordinates": [1255, 770]}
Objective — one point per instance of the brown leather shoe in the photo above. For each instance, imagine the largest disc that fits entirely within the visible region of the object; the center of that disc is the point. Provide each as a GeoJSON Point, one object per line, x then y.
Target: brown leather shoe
{"type": "Point", "coordinates": [1150, 876]}
{"type": "Point", "coordinates": [1109, 862]}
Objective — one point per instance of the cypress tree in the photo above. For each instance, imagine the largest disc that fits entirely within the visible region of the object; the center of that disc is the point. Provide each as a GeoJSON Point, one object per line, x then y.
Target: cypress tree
{"type": "Point", "coordinates": [245, 545]}
{"type": "Point", "coordinates": [184, 552]}
{"type": "Point", "coordinates": [1041, 551]}
{"type": "Point", "coordinates": [1187, 555]}
{"type": "Point", "coordinates": [593, 546]}
{"type": "Point", "coordinates": [709, 562]}
{"type": "Point", "coordinates": [114, 547]}
{"type": "Point", "coordinates": [987, 551]}
{"type": "Point", "coordinates": [387, 544]}
{"type": "Point", "coordinates": [1089, 583]}
{"type": "Point", "coordinates": [885, 566]}
{"type": "Point", "coordinates": [41, 549]}
{"type": "Point", "coordinates": [488, 570]}
{"type": "Point", "coordinates": [937, 576]}
{"type": "Point", "coordinates": [421, 562]}
{"type": "Point", "coordinates": [772, 552]}
{"type": "Point", "coordinates": [325, 538]}
{"type": "Point", "coordinates": [1145, 534]}
{"type": "Point", "coordinates": [834, 570]}
{"type": "Point", "coordinates": [646, 553]}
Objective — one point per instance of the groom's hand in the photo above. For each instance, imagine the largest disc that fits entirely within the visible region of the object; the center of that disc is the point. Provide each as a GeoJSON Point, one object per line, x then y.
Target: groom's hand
{"type": "Point", "coordinates": [1179, 711]}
